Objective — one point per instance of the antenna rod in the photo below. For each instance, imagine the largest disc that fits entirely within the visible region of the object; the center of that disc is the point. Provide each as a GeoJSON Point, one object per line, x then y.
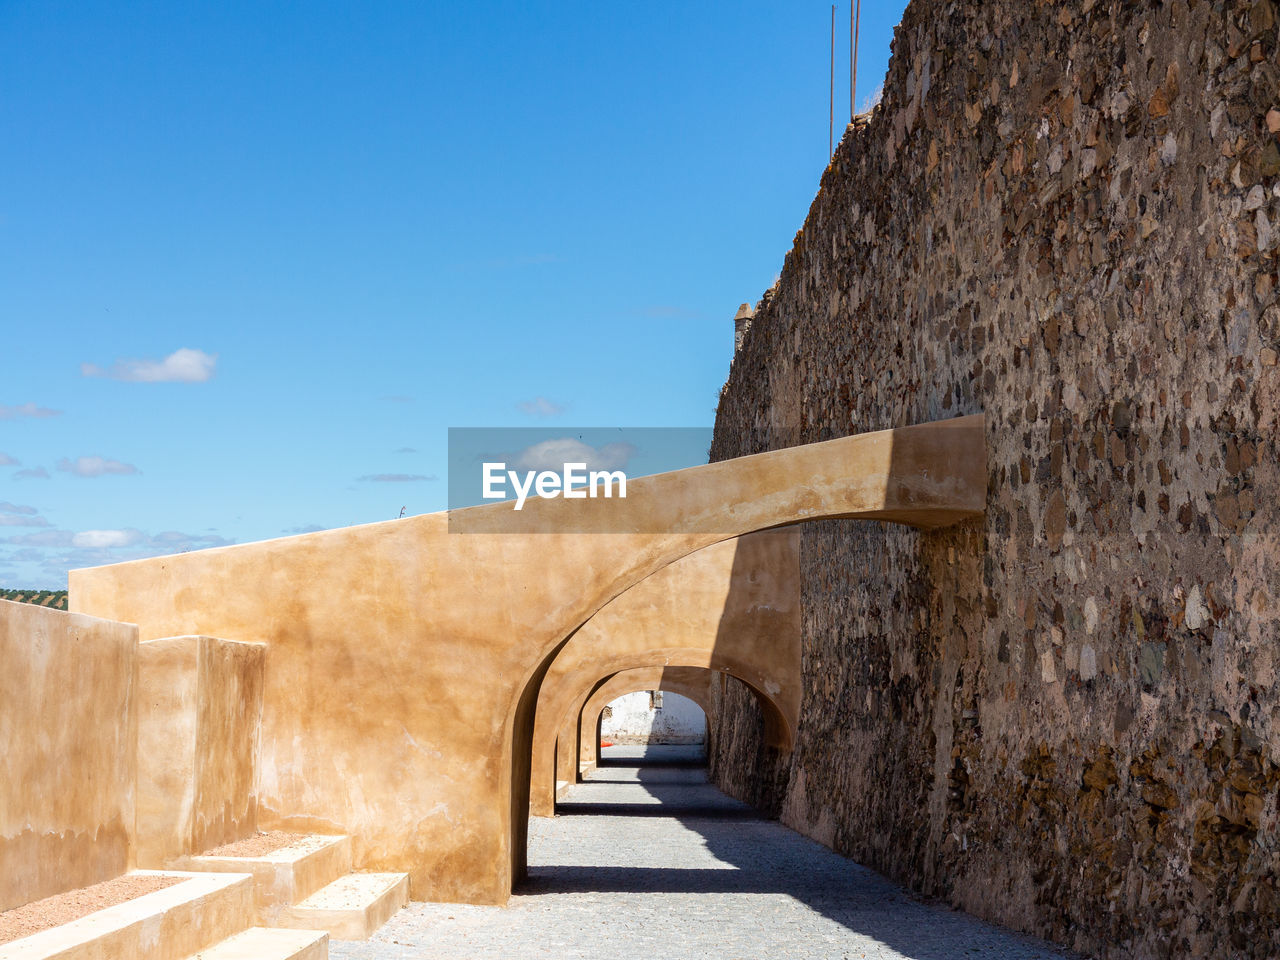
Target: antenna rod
{"type": "Point", "coordinates": [831, 120]}
{"type": "Point", "coordinates": [855, 17]}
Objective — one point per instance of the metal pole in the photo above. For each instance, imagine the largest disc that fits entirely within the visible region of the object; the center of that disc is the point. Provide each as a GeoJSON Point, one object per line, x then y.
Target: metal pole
{"type": "Point", "coordinates": [831, 120]}
{"type": "Point", "coordinates": [856, 16]}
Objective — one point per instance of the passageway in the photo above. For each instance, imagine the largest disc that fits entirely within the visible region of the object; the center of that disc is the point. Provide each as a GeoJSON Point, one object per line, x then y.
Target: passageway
{"type": "Point", "coordinates": [647, 860]}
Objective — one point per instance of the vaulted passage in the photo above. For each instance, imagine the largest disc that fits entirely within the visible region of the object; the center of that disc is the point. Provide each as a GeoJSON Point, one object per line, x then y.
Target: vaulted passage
{"type": "Point", "coordinates": [647, 859]}
{"type": "Point", "coordinates": [407, 660]}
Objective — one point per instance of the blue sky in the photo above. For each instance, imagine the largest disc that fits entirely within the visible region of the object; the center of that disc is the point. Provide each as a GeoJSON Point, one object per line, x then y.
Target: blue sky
{"type": "Point", "coordinates": [256, 258]}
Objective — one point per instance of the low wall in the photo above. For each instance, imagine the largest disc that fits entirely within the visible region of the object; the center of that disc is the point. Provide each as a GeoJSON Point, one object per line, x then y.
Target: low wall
{"type": "Point", "coordinates": [200, 710]}
{"type": "Point", "coordinates": [67, 757]}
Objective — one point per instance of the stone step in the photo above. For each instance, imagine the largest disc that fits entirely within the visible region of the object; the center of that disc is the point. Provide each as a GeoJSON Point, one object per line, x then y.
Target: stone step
{"type": "Point", "coordinates": [285, 876]}
{"type": "Point", "coordinates": [352, 907]}
{"type": "Point", "coordinates": [168, 924]}
{"type": "Point", "coordinates": [270, 943]}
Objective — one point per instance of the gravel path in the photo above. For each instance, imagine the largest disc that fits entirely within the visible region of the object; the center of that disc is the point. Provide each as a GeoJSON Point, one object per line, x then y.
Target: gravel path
{"type": "Point", "coordinates": [651, 862]}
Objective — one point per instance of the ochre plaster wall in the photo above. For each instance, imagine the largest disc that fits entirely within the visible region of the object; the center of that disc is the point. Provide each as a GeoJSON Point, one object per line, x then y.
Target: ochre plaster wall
{"type": "Point", "coordinates": [404, 660]}
{"type": "Point", "coordinates": [227, 745]}
{"type": "Point", "coordinates": [67, 751]}
{"type": "Point", "coordinates": [199, 711]}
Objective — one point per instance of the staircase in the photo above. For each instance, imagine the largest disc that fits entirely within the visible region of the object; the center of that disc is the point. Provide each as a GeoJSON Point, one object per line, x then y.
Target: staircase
{"type": "Point", "coordinates": [264, 943]}
{"type": "Point", "coordinates": [282, 905]}
{"type": "Point", "coordinates": [309, 885]}
{"type": "Point", "coordinates": [208, 916]}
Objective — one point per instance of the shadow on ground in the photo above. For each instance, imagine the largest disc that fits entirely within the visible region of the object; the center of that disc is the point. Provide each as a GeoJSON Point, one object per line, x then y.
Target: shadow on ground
{"type": "Point", "coordinates": [758, 856]}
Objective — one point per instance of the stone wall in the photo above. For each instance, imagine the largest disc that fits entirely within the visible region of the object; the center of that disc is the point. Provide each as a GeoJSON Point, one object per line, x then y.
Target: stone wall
{"type": "Point", "coordinates": [68, 722]}
{"type": "Point", "coordinates": [1066, 717]}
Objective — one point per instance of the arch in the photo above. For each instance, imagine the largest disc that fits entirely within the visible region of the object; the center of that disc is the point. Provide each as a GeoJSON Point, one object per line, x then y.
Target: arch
{"type": "Point", "coordinates": [692, 682]}
{"type": "Point", "coordinates": [571, 746]}
{"type": "Point", "coordinates": [404, 661]}
{"type": "Point", "coordinates": [733, 606]}
{"type": "Point", "coordinates": [562, 712]}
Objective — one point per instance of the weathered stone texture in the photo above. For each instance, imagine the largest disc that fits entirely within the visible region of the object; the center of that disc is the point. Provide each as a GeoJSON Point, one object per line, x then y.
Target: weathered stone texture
{"type": "Point", "coordinates": [1064, 717]}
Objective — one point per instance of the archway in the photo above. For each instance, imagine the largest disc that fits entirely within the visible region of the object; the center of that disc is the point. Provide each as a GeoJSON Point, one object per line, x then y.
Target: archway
{"type": "Point", "coordinates": [404, 661]}
{"type": "Point", "coordinates": [564, 711]}
{"type": "Point", "coordinates": [692, 682]}
{"type": "Point", "coordinates": [732, 606]}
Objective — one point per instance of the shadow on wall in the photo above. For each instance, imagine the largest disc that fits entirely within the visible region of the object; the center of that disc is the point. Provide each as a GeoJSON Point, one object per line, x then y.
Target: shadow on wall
{"type": "Point", "coordinates": [764, 747]}
{"type": "Point", "coordinates": [743, 753]}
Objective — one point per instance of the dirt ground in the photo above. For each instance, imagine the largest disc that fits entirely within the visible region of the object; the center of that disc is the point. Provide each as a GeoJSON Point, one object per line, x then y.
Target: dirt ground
{"type": "Point", "coordinates": [54, 911]}
{"type": "Point", "coordinates": [258, 845]}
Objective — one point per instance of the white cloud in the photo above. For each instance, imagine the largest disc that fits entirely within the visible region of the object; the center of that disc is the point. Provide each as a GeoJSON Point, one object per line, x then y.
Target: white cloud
{"type": "Point", "coordinates": [46, 538]}
{"type": "Point", "coordinates": [27, 410]}
{"type": "Point", "coordinates": [61, 550]}
{"type": "Point", "coordinates": [99, 539]}
{"type": "Point", "coordinates": [20, 515]}
{"type": "Point", "coordinates": [32, 473]}
{"type": "Point", "coordinates": [541, 407]}
{"type": "Point", "coordinates": [171, 540]}
{"type": "Point", "coordinates": [182, 366]}
{"type": "Point", "coordinates": [95, 466]}
{"type": "Point", "coordinates": [19, 520]}
{"type": "Point", "coordinates": [395, 477]}
{"type": "Point", "coordinates": [554, 454]}
{"type": "Point", "coordinates": [7, 461]}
